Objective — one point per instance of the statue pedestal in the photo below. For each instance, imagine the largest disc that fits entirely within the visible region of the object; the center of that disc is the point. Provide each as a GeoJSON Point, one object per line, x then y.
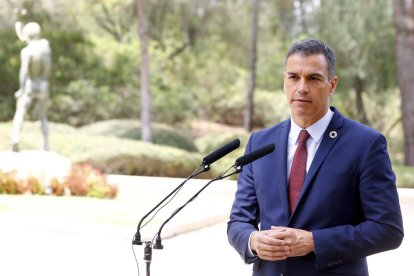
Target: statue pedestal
{"type": "Point", "coordinates": [42, 165]}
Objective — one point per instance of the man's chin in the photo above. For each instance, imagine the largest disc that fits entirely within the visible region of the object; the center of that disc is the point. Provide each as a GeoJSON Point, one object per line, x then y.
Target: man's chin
{"type": "Point", "coordinates": [299, 110]}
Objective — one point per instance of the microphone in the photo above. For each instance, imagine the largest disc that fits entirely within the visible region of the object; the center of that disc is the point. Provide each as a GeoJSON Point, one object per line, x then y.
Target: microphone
{"type": "Point", "coordinates": [254, 155]}
{"type": "Point", "coordinates": [240, 162]}
{"type": "Point", "coordinates": [219, 153]}
{"type": "Point", "coordinates": [205, 166]}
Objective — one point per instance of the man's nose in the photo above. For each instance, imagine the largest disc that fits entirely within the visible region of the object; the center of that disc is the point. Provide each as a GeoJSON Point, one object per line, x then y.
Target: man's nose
{"type": "Point", "coordinates": [302, 86]}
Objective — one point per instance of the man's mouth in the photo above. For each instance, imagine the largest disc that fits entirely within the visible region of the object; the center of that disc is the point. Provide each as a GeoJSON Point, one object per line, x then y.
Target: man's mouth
{"type": "Point", "coordinates": [301, 100]}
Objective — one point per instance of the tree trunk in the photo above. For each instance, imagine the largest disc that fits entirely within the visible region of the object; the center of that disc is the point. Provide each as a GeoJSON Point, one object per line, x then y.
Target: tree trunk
{"type": "Point", "coordinates": [359, 89]}
{"type": "Point", "coordinates": [145, 77]}
{"type": "Point", "coordinates": [248, 116]}
{"type": "Point", "coordinates": [404, 24]}
{"type": "Point", "coordinates": [302, 17]}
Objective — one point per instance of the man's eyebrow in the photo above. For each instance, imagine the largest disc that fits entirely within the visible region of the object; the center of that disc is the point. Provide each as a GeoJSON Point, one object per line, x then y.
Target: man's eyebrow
{"type": "Point", "coordinates": [291, 73]}
{"type": "Point", "coordinates": [308, 76]}
{"type": "Point", "coordinates": [315, 75]}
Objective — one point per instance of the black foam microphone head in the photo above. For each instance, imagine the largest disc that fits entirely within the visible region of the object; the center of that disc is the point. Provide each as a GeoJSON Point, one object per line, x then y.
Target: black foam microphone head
{"type": "Point", "coordinates": [254, 155]}
{"type": "Point", "coordinates": [219, 153]}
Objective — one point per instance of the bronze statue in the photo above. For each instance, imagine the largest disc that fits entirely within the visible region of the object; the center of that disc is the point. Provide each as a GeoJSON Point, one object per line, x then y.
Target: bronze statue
{"type": "Point", "coordinates": [33, 80]}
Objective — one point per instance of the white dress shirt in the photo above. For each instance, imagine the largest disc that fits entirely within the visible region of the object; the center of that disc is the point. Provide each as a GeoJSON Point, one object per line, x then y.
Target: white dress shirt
{"type": "Point", "coordinates": [315, 131]}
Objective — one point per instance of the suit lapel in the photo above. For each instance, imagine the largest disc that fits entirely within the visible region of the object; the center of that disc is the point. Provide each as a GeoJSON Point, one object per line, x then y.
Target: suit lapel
{"type": "Point", "coordinates": [330, 137]}
{"type": "Point", "coordinates": [281, 166]}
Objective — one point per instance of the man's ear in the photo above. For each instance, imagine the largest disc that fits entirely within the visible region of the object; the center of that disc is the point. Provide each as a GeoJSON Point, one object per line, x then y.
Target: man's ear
{"type": "Point", "coordinates": [334, 83]}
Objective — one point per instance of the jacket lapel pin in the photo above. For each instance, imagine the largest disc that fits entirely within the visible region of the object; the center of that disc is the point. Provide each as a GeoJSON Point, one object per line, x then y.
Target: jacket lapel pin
{"type": "Point", "coordinates": [333, 134]}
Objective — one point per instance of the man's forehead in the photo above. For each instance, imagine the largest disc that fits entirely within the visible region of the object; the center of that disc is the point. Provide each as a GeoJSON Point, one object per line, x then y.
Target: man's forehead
{"type": "Point", "coordinates": [309, 64]}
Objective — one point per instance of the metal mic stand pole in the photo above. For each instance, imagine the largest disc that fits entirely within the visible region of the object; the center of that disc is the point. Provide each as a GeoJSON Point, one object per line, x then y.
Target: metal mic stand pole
{"type": "Point", "coordinates": [147, 257]}
{"type": "Point", "coordinates": [137, 237]}
{"type": "Point", "coordinates": [158, 243]}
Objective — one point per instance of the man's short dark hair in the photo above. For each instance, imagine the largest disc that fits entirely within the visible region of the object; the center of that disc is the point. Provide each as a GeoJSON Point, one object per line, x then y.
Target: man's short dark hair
{"type": "Point", "coordinates": [309, 47]}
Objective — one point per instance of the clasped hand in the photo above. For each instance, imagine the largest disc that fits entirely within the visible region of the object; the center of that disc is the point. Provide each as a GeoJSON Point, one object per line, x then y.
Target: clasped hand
{"type": "Point", "coordinates": [280, 243]}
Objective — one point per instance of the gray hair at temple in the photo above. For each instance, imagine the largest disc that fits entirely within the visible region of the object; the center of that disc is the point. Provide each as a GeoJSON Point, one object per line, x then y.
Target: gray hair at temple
{"type": "Point", "coordinates": [309, 47]}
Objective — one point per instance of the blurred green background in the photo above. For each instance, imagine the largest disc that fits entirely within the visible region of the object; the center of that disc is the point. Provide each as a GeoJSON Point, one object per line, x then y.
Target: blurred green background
{"type": "Point", "coordinates": [199, 66]}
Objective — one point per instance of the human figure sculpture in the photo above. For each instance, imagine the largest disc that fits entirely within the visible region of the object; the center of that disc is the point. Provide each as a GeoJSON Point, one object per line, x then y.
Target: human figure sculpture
{"type": "Point", "coordinates": [33, 80]}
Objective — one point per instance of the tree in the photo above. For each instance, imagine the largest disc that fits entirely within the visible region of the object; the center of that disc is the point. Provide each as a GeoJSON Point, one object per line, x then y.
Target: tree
{"type": "Point", "coordinates": [113, 17]}
{"type": "Point", "coordinates": [145, 77]}
{"type": "Point", "coordinates": [248, 115]}
{"type": "Point", "coordinates": [404, 25]}
{"type": "Point", "coordinates": [361, 34]}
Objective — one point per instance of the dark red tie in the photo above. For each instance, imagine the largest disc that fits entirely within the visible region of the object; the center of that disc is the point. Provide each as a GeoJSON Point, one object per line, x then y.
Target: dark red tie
{"type": "Point", "coordinates": [298, 170]}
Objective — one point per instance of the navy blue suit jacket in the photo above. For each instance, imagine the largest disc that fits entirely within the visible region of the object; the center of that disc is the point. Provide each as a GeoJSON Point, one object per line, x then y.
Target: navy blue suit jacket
{"type": "Point", "coordinates": [349, 201]}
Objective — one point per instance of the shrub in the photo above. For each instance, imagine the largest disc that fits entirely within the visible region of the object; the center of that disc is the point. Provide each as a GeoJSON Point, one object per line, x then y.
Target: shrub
{"type": "Point", "coordinates": [9, 184]}
{"type": "Point", "coordinates": [57, 187]}
{"type": "Point", "coordinates": [124, 156]}
{"type": "Point", "coordinates": [85, 180]}
{"type": "Point", "coordinates": [165, 162]}
{"type": "Point", "coordinates": [34, 186]}
{"type": "Point", "coordinates": [131, 129]}
{"type": "Point", "coordinates": [270, 108]}
{"type": "Point", "coordinates": [108, 153]}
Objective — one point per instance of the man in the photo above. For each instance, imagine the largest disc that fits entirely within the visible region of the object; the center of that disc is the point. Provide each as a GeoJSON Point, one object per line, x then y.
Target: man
{"type": "Point", "coordinates": [320, 205]}
{"type": "Point", "coordinates": [33, 80]}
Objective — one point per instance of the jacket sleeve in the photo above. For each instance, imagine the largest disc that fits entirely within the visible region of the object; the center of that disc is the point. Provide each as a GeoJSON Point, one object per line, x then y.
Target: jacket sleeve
{"type": "Point", "coordinates": [244, 213]}
{"type": "Point", "coordinates": [381, 226]}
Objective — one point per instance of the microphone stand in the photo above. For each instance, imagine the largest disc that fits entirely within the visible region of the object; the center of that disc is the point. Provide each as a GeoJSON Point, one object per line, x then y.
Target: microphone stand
{"type": "Point", "coordinates": [205, 166]}
{"type": "Point", "coordinates": [202, 168]}
{"type": "Point", "coordinates": [237, 169]}
{"type": "Point", "coordinates": [137, 238]}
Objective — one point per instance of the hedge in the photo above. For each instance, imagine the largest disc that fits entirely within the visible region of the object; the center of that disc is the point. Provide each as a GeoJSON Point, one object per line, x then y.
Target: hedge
{"type": "Point", "coordinates": [111, 154]}
{"type": "Point", "coordinates": [116, 155]}
{"type": "Point", "coordinates": [131, 129]}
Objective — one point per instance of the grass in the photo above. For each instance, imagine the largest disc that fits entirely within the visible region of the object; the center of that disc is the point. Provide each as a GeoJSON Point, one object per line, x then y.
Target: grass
{"type": "Point", "coordinates": [131, 129]}
{"type": "Point", "coordinates": [110, 153]}
{"type": "Point", "coordinates": [115, 154]}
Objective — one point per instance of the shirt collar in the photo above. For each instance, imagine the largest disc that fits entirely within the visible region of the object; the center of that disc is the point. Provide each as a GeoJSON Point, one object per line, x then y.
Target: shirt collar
{"type": "Point", "coordinates": [316, 130]}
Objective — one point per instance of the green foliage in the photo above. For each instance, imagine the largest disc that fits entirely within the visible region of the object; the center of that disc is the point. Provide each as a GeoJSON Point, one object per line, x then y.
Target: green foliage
{"type": "Point", "coordinates": [131, 129]}
{"type": "Point", "coordinates": [270, 108]}
{"type": "Point", "coordinates": [74, 93]}
{"type": "Point", "coordinates": [199, 53]}
{"type": "Point", "coordinates": [10, 60]}
{"type": "Point", "coordinates": [73, 60]}
{"type": "Point", "coordinates": [363, 37]}
{"type": "Point", "coordinates": [73, 56]}
{"type": "Point", "coordinates": [110, 154]}
{"type": "Point", "coordinates": [80, 101]}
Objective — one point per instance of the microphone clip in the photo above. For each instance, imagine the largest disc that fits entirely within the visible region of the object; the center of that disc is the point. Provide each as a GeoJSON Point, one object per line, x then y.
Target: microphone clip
{"type": "Point", "coordinates": [238, 168]}
{"type": "Point", "coordinates": [206, 167]}
{"type": "Point", "coordinates": [147, 252]}
{"type": "Point", "coordinates": [137, 239]}
{"type": "Point", "coordinates": [158, 244]}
